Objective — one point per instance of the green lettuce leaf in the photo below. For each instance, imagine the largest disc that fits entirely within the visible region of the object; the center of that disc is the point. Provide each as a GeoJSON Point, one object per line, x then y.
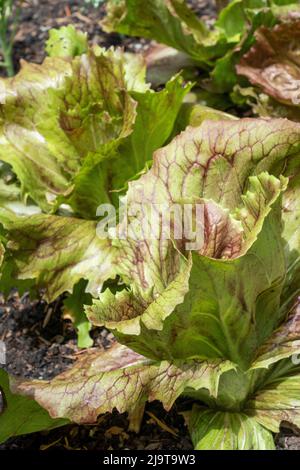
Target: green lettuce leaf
{"type": "Point", "coordinates": [256, 401]}
{"type": "Point", "coordinates": [92, 125]}
{"type": "Point", "coordinates": [58, 251]}
{"type": "Point", "coordinates": [163, 62]}
{"type": "Point", "coordinates": [66, 42]}
{"type": "Point", "coordinates": [263, 105]}
{"type": "Point", "coordinates": [169, 22]}
{"type": "Point", "coordinates": [216, 50]}
{"type": "Point", "coordinates": [221, 430]}
{"type": "Point", "coordinates": [207, 321]}
{"type": "Point", "coordinates": [22, 415]}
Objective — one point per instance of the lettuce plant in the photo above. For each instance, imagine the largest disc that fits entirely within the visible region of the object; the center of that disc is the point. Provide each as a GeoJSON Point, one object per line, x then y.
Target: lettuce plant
{"type": "Point", "coordinates": [271, 66]}
{"type": "Point", "coordinates": [95, 3]}
{"type": "Point", "coordinates": [217, 322]}
{"type": "Point", "coordinates": [73, 130]}
{"type": "Point", "coordinates": [214, 51]}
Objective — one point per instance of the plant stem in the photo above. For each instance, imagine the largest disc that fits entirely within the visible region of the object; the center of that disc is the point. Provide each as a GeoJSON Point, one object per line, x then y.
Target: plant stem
{"type": "Point", "coordinates": [6, 50]}
{"type": "Point", "coordinates": [8, 60]}
{"type": "Point", "coordinates": [6, 39]}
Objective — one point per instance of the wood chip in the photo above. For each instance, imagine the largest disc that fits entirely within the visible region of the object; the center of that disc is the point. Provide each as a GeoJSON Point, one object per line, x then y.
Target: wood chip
{"type": "Point", "coordinates": [162, 425]}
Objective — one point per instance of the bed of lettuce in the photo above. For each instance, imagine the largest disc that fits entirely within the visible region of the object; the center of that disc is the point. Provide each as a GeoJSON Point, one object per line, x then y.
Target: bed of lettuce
{"type": "Point", "coordinates": [220, 323]}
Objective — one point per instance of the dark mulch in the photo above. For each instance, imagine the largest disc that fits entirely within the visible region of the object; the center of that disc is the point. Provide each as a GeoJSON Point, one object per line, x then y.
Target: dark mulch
{"type": "Point", "coordinates": [40, 344]}
{"type": "Point", "coordinates": [288, 440]}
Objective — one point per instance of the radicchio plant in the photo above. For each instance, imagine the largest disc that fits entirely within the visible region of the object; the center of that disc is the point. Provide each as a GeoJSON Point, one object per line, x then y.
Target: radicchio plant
{"type": "Point", "coordinates": [218, 323]}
